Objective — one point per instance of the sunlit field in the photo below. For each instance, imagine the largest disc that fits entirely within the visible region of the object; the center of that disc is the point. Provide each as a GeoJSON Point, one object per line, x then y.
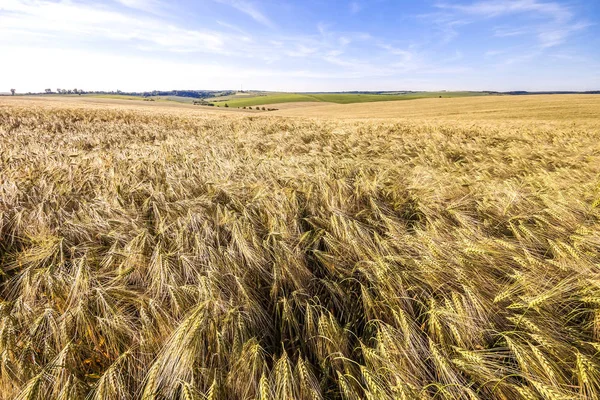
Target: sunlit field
{"type": "Point", "coordinates": [423, 249]}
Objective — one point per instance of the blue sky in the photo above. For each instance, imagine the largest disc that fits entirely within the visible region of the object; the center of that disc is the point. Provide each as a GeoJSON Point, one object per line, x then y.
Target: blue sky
{"type": "Point", "coordinates": [300, 45]}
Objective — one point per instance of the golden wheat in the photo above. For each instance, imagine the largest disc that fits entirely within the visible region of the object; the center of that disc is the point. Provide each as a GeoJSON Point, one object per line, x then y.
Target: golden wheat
{"type": "Point", "coordinates": [159, 253]}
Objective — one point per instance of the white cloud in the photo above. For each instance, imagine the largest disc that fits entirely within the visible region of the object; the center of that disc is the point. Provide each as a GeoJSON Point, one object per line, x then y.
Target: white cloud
{"type": "Point", "coordinates": [550, 22]}
{"type": "Point", "coordinates": [98, 71]}
{"type": "Point", "coordinates": [301, 51]}
{"type": "Point", "coordinates": [521, 58]}
{"type": "Point", "coordinates": [408, 64]}
{"type": "Point", "coordinates": [495, 8]}
{"type": "Point", "coordinates": [131, 51]}
{"type": "Point", "coordinates": [149, 6]}
{"type": "Point", "coordinates": [344, 41]}
{"type": "Point", "coordinates": [322, 27]}
{"type": "Point", "coordinates": [447, 24]}
{"type": "Point", "coordinates": [493, 53]}
{"type": "Point", "coordinates": [39, 20]}
{"type": "Point", "coordinates": [110, 45]}
{"type": "Point", "coordinates": [407, 55]}
{"type": "Point", "coordinates": [90, 70]}
{"type": "Point", "coordinates": [511, 31]}
{"type": "Point", "coordinates": [233, 27]}
{"type": "Point", "coordinates": [555, 35]}
{"type": "Point", "coordinates": [249, 9]}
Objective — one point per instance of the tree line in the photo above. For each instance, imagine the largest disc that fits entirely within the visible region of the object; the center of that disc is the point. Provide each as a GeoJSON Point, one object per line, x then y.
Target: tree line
{"type": "Point", "coordinates": [196, 94]}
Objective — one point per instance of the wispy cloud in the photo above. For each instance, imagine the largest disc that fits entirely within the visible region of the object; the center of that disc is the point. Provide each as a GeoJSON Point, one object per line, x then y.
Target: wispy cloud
{"type": "Point", "coordinates": [510, 31]}
{"type": "Point", "coordinates": [68, 21]}
{"type": "Point", "coordinates": [446, 24]}
{"type": "Point", "coordinates": [550, 22]}
{"type": "Point", "coordinates": [554, 35]}
{"type": "Point", "coordinates": [568, 57]}
{"type": "Point", "coordinates": [249, 9]}
{"type": "Point", "coordinates": [149, 6]}
{"type": "Point", "coordinates": [302, 51]}
{"type": "Point", "coordinates": [405, 54]}
{"type": "Point", "coordinates": [323, 27]}
{"type": "Point", "coordinates": [235, 28]}
{"type": "Point", "coordinates": [357, 68]}
{"type": "Point", "coordinates": [38, 24]}
{"type": "Point", "coordinates": [227, 39]}
{"type": "Point", "coordinates": [493, 53]}
{"type": "Point", "coordinates": [521, 58]}
{"type": "Point", "coordinates": [495, 8]}
{"type": "Point", "coordinates": [344, 41]}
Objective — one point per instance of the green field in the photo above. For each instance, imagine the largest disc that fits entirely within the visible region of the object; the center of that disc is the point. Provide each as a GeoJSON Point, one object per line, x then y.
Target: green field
{"type": "Point", "coordinates": [339, 98]}
{"type": "Point", "coordinates": [266, 99]}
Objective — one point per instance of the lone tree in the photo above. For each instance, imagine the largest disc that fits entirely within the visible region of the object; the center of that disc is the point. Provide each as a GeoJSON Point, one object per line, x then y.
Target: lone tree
{"type": "Point", "coordinates": [12, 91]}
{"type": "Point", "coordinates": [48, 91]}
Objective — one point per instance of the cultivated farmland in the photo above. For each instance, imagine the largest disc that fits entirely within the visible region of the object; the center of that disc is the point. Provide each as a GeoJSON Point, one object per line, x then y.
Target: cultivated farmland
{"type": "Point", "coordinates": [337, 98]}
{"type": "Point", "coordinates": [431, 249]}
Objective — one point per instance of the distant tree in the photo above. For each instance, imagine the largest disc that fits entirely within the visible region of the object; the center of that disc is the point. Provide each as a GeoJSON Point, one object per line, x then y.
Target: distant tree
{"type": "Point", "coordinates": [263, 109]}
{"type": "Point", "coordinates": [48, 91]}
{"type": "Point", "coordinates": [59, 91]}
{"type": "Point", "coordinates": [226, 105]}
{"type": "Point", "coordinates": [249, 108]}
{"type": "Point", "coordinates": [13, 91]}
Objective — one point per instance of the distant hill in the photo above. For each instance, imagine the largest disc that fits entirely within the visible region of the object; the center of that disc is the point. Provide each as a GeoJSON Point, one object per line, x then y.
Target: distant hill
{"type": "Point", "coordinates": [522, 92]}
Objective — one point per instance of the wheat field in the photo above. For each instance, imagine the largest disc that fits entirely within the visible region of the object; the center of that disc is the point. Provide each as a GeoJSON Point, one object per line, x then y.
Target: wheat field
{"type": "Point", "coordinates": [432, 249]}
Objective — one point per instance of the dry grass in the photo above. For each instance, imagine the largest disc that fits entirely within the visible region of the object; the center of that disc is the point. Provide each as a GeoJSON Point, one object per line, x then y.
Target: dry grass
{"type": "Point", "coordinates": [153, 253]}
{"type": "Point", "coordinates": [570, 108]}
